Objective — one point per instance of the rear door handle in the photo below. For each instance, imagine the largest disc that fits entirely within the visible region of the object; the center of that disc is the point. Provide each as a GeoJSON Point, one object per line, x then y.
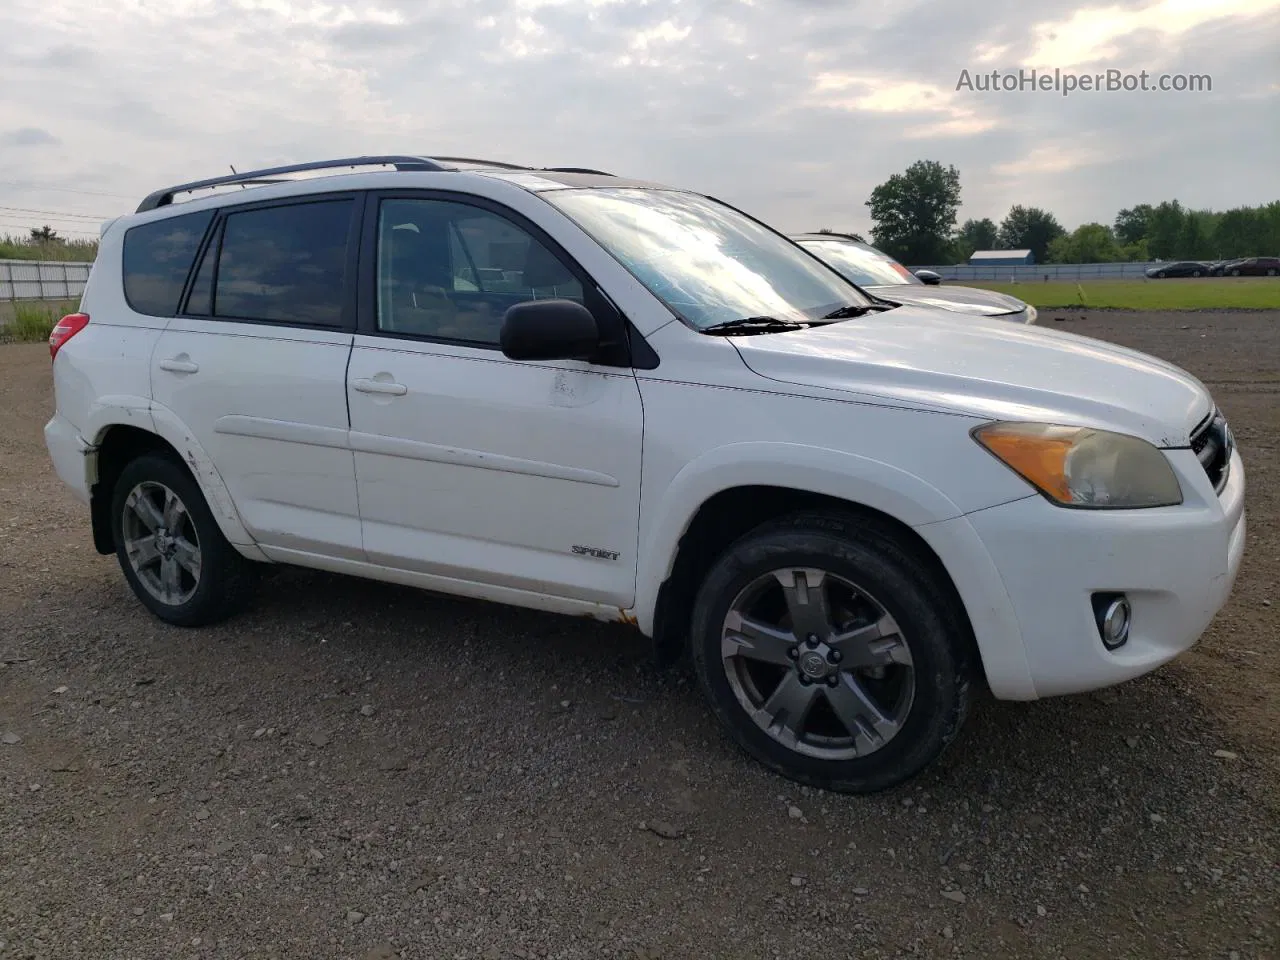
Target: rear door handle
{"type": "Point", "coordinates": [179, 365]}
{"type": "Point", "coordinates": [365, 385]}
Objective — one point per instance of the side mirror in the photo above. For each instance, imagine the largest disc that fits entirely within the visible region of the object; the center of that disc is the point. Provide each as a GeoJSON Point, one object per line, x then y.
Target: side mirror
{"type": "Point", "coordinates": [929, 277]}
{"type": "Point", "coordinates": [549, 330]}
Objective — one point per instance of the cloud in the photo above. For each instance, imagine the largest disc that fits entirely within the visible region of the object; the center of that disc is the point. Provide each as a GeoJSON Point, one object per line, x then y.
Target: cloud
{"type": "Point", "coordinates": [1051, 158]}
{"type": "Point", "coordinates": [28, 137]}
{"type": "Point", "coordinates": [793, 109]}
{"type": "Point", "coordinates": [929, 111]}
{"type": "Point", "coordinates": [1096, 34]}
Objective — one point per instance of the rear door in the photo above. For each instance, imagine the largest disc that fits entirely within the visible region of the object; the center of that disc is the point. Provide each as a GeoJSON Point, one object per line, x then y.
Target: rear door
{"type": "Point", "coordinates": [255, 367]}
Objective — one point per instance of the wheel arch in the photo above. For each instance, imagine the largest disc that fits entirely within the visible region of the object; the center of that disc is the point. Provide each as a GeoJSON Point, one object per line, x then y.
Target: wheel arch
{"type": "Point", "coordinates": [720, 497]}
{"type": "Point", "coordinates": [116, 442]}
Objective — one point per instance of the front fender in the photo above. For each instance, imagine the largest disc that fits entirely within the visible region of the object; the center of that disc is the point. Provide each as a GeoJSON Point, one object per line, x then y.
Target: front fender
{"type": "Point", "coordinates": [834, 473]}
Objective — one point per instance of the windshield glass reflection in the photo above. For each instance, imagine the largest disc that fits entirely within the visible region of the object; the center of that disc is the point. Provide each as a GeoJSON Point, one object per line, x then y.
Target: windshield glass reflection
{"type": "Point", "coordinates": [864, 266]}
{"type": "Point", "coordinates": [708, 263]}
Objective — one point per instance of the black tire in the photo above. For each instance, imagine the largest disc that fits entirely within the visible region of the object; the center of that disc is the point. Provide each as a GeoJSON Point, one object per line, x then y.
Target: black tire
{"type": "Point", "coordinates": [226, 579]}
{"type": "Point", "coordinates": [1195, 273]}
{"type": "Point", "coordinates": [933, 626]}
{"type": "Point", "coordinates": [1235, 273]}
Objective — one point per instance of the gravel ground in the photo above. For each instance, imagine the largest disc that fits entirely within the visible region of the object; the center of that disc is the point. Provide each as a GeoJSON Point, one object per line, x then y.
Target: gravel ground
{"type": "Point", "coordinates": [355, 770]}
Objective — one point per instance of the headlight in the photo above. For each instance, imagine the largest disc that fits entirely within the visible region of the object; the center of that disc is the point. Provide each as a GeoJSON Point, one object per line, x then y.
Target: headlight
{"type": "Point", "coordinates": [1080, 467]}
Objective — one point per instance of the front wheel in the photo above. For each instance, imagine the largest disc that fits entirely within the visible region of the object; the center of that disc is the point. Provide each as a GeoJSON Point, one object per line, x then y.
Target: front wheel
{"type": "Point", "coordinates": [1195, 273]}
{"type": "Point", "coordinates": [1235, 273]}
{"type": "Point", "coordinates": [170, 548]}
{"type": "Point", "coordinates": [832, 654]}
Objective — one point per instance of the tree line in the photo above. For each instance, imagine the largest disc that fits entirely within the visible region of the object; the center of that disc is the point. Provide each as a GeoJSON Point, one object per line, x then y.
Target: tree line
{"type": "Point", "coordinates": [914, 220]}
{"type": "Point", "coordinates": [45, 243]}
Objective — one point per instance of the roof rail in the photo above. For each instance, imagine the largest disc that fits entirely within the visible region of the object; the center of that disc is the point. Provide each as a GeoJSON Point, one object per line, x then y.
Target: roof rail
{"type": "Point", "coordinates": [600, 173]}
{"type": "Point", "coordinates": [520, 166]}
{"type": "Point", "coordinates": [164, 197]}
{"type": "Point", "coordinates": [483, 163]}
{"type": "Point", "coordinates": [161, 198]}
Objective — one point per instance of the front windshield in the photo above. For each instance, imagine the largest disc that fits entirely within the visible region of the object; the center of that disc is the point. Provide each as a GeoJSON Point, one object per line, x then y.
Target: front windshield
{"type": "Point", "coordinates": [708, 263]}
{"type": "Point", "coordinates": [861, 265]}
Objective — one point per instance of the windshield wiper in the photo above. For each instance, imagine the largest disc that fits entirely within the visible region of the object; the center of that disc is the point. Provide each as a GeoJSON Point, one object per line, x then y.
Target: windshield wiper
{"type": "Point", "coordinates": [858, 310]}
{"type": "Point", "coordinates": [774, 324]}
{"type": "Point", "coordinates": [752, 325]}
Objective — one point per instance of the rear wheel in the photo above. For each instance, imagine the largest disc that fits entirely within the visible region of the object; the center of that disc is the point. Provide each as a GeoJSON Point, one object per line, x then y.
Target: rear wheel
{"type": "Point", "coordinates": [170, 548]}
{"type": "Point", "coordinates": [832, 654]}
{"type": "Point", "coordinates": [1235, 273]}
{"type": "Point", "coordinates": [1195, 273]}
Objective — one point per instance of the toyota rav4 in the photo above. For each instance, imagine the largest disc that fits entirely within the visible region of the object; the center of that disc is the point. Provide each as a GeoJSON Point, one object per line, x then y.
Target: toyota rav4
{"type": "Point", "coordinates": [565, 390]}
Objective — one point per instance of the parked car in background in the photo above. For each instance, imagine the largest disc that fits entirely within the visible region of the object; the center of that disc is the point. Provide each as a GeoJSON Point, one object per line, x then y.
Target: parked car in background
{"type": "Point", "coordinates": [885, 278]}
{"type": "Point", "coordinates": [1179, 268]}
{"type": "Point", "coordinates": [604, 397]}
{"type": "Point", "coordinates": [1219, 267]}
{"type": "Point", "coordinates": [1253, 267]}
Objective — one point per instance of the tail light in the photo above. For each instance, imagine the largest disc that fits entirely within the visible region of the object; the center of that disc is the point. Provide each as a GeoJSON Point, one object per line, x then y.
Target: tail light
{"type": "Point", "coordinates": [64, 330]}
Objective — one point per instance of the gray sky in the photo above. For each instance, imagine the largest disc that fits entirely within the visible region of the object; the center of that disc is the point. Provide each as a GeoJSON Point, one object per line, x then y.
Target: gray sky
{"type": "Point", "coordinates": [791, 109]}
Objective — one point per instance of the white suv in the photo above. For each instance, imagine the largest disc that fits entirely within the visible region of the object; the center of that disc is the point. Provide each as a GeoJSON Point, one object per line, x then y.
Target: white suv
{"type": "Point", "coordinates": [565, 390]}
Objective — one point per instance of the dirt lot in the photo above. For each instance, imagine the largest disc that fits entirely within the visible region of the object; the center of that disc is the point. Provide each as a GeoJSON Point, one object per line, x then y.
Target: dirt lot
{"type": "Point", "coordinates": [356, 770]}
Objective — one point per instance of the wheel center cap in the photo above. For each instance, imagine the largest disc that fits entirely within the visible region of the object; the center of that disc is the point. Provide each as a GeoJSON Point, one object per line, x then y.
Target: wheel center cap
{"type": "Point", "coordinates": [814, 665]}
{"type": "Point", "coordinates": [164, 542]}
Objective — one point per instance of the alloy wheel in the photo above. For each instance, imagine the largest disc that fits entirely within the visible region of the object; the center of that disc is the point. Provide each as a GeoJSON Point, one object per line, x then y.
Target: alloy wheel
{"type": "Point", "coordinates": [161, 543]}
{"type": "Point", "coordinates": [818, 663]}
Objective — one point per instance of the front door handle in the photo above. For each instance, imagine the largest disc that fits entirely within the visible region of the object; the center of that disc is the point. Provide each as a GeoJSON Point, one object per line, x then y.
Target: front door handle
{"type": "Point", "coordinates": [365, 385]}
{"type": "Point", "coordinates": [179, 365]}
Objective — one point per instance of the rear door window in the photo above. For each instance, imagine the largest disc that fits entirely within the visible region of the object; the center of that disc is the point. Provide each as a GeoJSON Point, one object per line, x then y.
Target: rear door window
{"type": "Point", "coordinates": [281, 264]}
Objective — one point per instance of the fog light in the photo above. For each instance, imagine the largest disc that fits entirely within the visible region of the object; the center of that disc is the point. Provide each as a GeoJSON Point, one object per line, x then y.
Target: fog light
{"type": "Point", "coordinates": [1114, 617]}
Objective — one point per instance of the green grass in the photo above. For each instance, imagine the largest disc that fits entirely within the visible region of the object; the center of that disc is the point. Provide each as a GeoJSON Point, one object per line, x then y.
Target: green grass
{"type": "Point", "coordinates": [1205, 293]}
{"type": "Point", "coordinates": [20, 248]}
{"type": "Point", "coordinates": [32, 322]}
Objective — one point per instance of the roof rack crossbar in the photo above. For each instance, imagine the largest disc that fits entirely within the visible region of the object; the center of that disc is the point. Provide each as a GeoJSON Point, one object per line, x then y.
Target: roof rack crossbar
{"type": "Point", "coordinates": [164, 197]}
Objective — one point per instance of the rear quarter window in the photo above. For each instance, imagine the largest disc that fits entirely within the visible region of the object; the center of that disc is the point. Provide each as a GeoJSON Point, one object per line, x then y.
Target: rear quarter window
{"type": "Point", "coordinates": [156, 260]}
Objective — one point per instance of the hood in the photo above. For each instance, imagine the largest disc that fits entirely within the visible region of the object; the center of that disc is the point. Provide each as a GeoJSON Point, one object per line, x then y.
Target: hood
{"type": "Point", "coordinates": [959, 299]}
{"type": "Point", "coordinates": [985, 367]}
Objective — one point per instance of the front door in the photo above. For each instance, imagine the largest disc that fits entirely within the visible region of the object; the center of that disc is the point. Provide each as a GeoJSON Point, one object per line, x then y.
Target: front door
{"type": "Point", "coordinates": [471, 466]}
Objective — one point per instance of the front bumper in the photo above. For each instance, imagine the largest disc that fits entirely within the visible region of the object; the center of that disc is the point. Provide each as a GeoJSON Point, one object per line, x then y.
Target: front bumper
{"type": "Point", "coordinates": [1036, 628]}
